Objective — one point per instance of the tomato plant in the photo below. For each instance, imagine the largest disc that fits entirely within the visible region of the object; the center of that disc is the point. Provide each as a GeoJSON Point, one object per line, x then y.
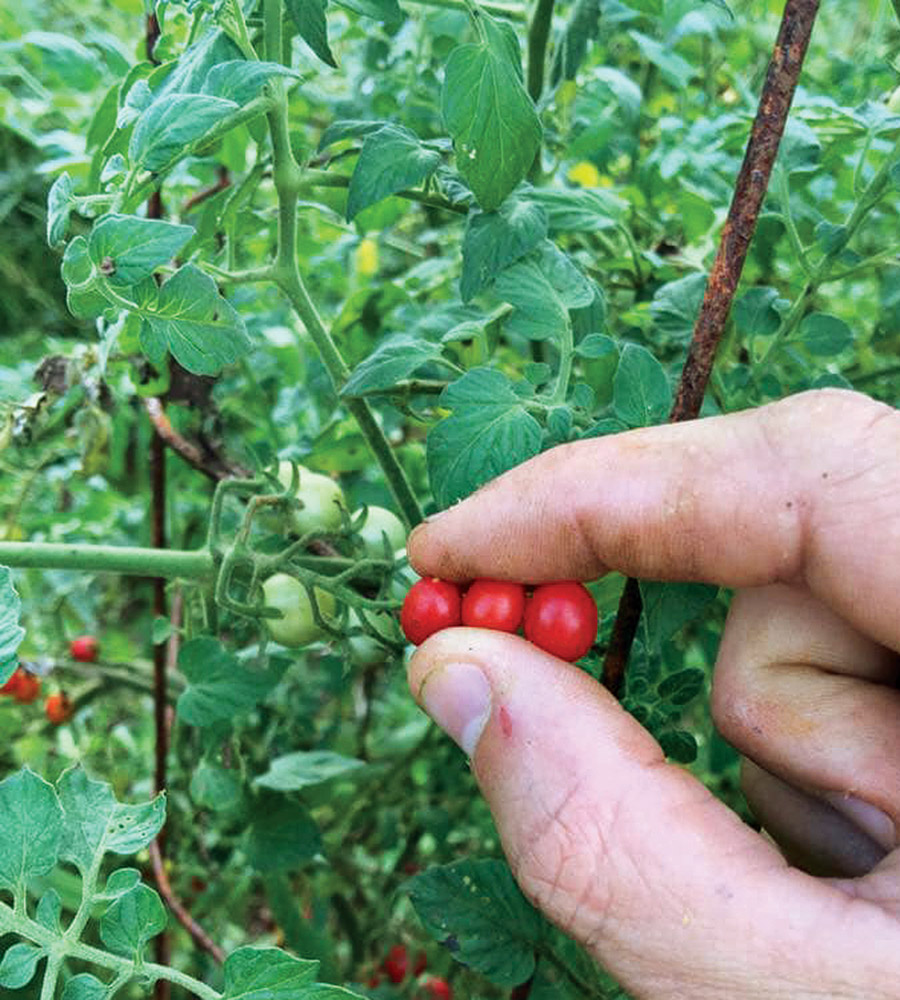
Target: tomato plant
{"type": "Point", "coordinates": [297, 624]}
{"type": "Point", "coordinates": [561, 618]}
{"type": "Point", "coordinates": [494, 604]}
{"type": "Point", "coordinates": [436, 988]}
{"type": "Point", "coordinates": [318, 501]}
{"type": "Point", "coordinates": [381, 524]}
{"type": "Point", "coordinates": [396, 965]}
{"type": "Point", "coordinates": [85, 649]}
{"type": "Point", "coordinates": [58, 708]}
{"type": "Point", "coordinates": [430, 605]}
{"type": "Point", "coordinates": [27, 688]}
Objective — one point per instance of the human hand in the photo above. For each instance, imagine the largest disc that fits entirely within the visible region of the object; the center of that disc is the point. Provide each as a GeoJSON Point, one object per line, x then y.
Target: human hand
{"type": "Point", "coordinates": [797, 506]}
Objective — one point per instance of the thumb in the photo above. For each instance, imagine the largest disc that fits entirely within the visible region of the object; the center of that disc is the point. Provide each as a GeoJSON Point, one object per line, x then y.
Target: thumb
{"type": "Point", "coordinates": [628, 854]}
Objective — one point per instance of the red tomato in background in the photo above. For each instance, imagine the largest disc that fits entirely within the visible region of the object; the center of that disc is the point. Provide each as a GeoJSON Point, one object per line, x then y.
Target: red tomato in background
{"type": "Point", "coordinates": [84, 649]}
{"type": "Point", "coordinates": [437, 989]}
{"type": "Point", "coordinates": [58, 708]}
{"type": "Point", "coordinates": [28, 688]}
{"type": "Point", "coordinates": [561, 618]}
{"type": "Point", "coordinates": [430, 605]}
{"type": "Point", "coordinates": [494, 604]}
{"type": "Point", "coordinates": [396, 964]}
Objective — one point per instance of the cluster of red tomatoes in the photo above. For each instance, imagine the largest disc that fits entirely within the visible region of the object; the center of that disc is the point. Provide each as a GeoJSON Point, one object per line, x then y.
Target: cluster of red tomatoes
{"type": "Point", "coordinates": [25, 687]}
{"type": "Point", "coordinates": [560, 617]}
{"type": "Point", "coordinates": [396, 967]}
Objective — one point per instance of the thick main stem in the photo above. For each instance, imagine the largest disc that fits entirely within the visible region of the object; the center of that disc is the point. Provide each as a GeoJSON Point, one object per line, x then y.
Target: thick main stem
{"type": "Point", "coordinates": [169, 564]}
{"type": "Point", "coordinates": [750, 190]}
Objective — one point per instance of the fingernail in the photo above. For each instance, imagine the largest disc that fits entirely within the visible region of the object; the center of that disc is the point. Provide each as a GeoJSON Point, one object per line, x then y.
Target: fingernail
{"type": "Point", "coordinates": [870, 819]}
{"type": "Point", "coordinates": [458, 697]}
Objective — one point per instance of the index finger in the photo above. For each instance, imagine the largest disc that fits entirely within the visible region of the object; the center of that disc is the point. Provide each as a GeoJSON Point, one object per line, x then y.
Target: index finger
{"type": "Point", "coordinates": [803, 491]}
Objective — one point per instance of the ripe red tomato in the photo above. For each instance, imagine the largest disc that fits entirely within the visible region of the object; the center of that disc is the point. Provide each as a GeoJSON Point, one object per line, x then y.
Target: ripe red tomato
{"type": "Point", "coordinates": [421, 964]}
{"type": "Point", "coordinates": [495, 604]}
{"type": "Point", "coordinates": [12, 685]}
{"type": "Point", "coordinates": [84, 649]}
{"type": "Point", "coordinates": [561, 618]}
{"type": "Point", "coordinates": [437, 988]}
{"type": "Point", "coordinates": [58, 708]}
{"type": "Point", "coordinates": [396, 964]}
{"type": "Point", "coordinates": [430, 605]}
{"type": "Point", "coordinates": [28, 688]}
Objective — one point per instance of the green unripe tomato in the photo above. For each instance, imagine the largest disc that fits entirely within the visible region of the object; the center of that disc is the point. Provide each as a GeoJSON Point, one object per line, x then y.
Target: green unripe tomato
{"type": "Point", "coordinates": [365, 650]}
{"type": "Point", "coordinates": [380, 522]}
{"type": "Point", "coordinates": [298, 626]}
{"type": "Point", "coordinates": [322, 498]}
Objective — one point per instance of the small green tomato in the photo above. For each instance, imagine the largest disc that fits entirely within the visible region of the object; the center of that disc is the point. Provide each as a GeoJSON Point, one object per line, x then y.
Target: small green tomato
{"type": "Point", "coordinates": [298, 626]}
{"type": "Point", "coordinates": [322, 498]}
{"type": "Point", "coordinates": [380, 522]}
{"type": "Point", "coordinates": [365, 650]}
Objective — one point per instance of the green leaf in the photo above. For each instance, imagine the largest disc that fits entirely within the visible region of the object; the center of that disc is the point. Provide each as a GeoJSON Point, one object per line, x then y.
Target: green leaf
{"type": "Point", "coordinates": [641, 392]}
{"type": "Point", "coordinates": [132, 920]}
{"type": "Point", "coordinates": [682, 687]}
{"type": "Point", "coordinates": [219, 687]}
{"type": "Point", "coordinates": [95, 823]}
{"type": "Point", "coordinates": [241, 81]}
{"type": "Point", "coordinates": [391, 160]}
{"type": "Point", "coordinates": [214, 787]}
{"type": "Point", "coordinates": [488, 432]}
{"type": "Point", "coordinates": [60, 202]}
{"type": "Point", "coordinates": [679, 745]}
{"type": "Point", "coordinates": [387, 11]}
{"type": "Point", "coordinates": [755, 314]}
{"type": "Point", "coordinates": [171, 125]}
{"type": "Point", "coordinates": [126, 248]}
{"type": "Point", "coordinates": [267, 974]}
{"type": "Point", "coordinates": [348, 128]}
{"type": "Point", "coordinates": [669, 606]}
{"type": "Point", "coordinates": [580, 210]}
{"type": "Point", "coordinates": [823, 335]}
{"type": "Point", "coordinates": [312, 25]}
{"type": "Point", "coordinates": [282, 835]}
{"type": "Point", "coordinates": [490, 117]}
{"type": "Point", "coordinates": [676, 70]}
{"type": "Point", "coordinates": [596, 345]}
{"type": "Point", "coordinates": [582, 28]}
{"type": "Point", "coordinates": [799, 149]}
{"type": "Point", "coordinates": [19, 964]}
{"type": "Point", "coordinates": [676, 305]}
{"type": "Point", "coordinates": [120, 881]}
{"type": "Point", "coordinates": [200, 328]}
{"type": "Point", "coordinates": [391, 362]}
{"type": "Point", "coordinates": [306, 768]}
{"type": "Point", "coordinates": [49, 911]}
{"type": "Point", "coordinates": [84, 986]}
{"type": "Point", "coordinates": [11, 632]}
{"type": "Point", "coordinates": [477, 911]}
{"type": "Point", "coordinates": [543, 287]}
{"type": "Point", "coordinates": [494, 240]}
{"type": "Point", "coordinates": [31, 829]}
{"type": "Point", "coordinates": [76, 263]}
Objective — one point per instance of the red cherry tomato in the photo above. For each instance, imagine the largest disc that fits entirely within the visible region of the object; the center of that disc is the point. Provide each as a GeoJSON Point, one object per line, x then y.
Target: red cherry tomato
{"type": "Point", "coordinates": [28, 688]}
{"type": "Point", "coordinates": [421, 964]}
{"type": "Point", "coordinates": [494, 604]}
{"type": "Point", "coordinates": [396, 964]}
{"type": "Point", "coordinates": [561, 618]}
{"type": "Point", "coordinates": [58, 708]}
{"type": "Point", "coordinates": [430, 605]}
{"type": "Point", "coordinates": [84, 649]}
{"type": "Point", "coordinates": [12, 685]}
{"type": "Point", "coordinates": [437, 989]}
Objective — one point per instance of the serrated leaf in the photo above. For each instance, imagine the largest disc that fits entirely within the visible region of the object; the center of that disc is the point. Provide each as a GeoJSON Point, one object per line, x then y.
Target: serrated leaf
{"type": "Point", "coordinates": [95, 823]}
{"type": "Point", "coordinates": [494, 240]}
{"type": "Point", "coordinates": [755, 314]}
{"type": "Point", "coordinates": [391, 160]}
{"type": "Point", "coordinates": [669, 606]}
{"type": "Point", "coordinates": [641, 392]}
{"type": "Point", "coordinates": [267, 974]}
{"type": "Point", "coordinates": [488, 432]}
{"type": "Point", "coordinates": [84, 986]}
{"type": "Point", "coordinates": [312, 25]}
{"type": "Point", "coordinates": [241, 81]}
{"type": "Point", "coordinates": [126, 249]}
{"type": "Point", "coordinates": [60, 201]}
{"type": "Point", "coordinates": [495, 129]}
{"type": "Point", "coordinates": [11, 632]}
{"type": "Point", "coordinates": [390, 363]}
{"type": "Point", "coordinates": [19, 965]}
{"type": "Point", "coordinates": [171, 125]}
{"type": "Point", "coordinates": [824, 335]}
{"type": "Point", "coordinates": [202, 330]}
{"type": "Point", "coordinates": [132, 920]}
{"type": "Point", "coordinates": [31, 829]}
{"type": "Point", "coordinates": [306, 768]}
{"type": "Point", "coordinates": [477, 911]}
{"type": "Point", "coordinates": [282, 835]}
{"type": "Point", "coordinates": [219, 687]}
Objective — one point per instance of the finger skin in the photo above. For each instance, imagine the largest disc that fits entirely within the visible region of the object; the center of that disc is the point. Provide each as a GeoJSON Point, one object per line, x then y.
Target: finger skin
{"type": "Point", "coordinates": [636, 859]}
{"type": "Point", "coordinates": [801, 491]}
